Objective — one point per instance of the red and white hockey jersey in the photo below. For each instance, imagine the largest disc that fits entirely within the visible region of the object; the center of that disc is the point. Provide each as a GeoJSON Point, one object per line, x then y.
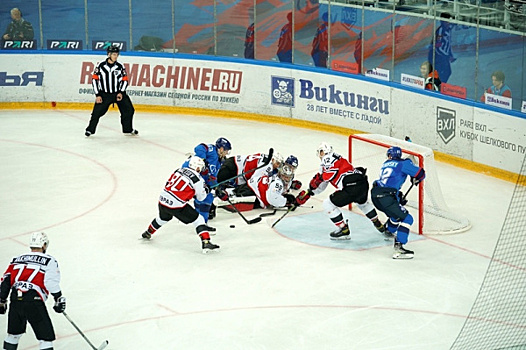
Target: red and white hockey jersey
{"type": "Point", "coordinates": [33, 271]}
{"type": "Point", "coordinates": [182, 186]}
{"type": "Point", "coordinates": [333, 169]}
{"type": "Point", "coordinates": [269, 190]}
{"type": "Point", "coordinates": [248, 164]}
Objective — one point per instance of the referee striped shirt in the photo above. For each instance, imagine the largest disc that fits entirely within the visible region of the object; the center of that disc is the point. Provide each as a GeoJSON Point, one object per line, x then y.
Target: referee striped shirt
{"type": "Point", "coordinates": [109, 78]}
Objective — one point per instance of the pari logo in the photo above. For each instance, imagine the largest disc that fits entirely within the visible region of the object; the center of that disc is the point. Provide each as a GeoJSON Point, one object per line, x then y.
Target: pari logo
{"type": "Point", "coordinates": [19, 45]}
{"type": "Point", "coordinates": [64, 44]}
{"type": "Point", "coordinates": [446, 121]}
{"type": "Point", "coordinates": [282, 91]}
{"type": "Point", "coordinates": [104, 45]}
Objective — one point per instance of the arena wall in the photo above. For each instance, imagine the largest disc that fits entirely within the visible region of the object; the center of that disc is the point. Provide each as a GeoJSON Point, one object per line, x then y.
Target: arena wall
{"type": "Point", "coordinates": [466, 133]}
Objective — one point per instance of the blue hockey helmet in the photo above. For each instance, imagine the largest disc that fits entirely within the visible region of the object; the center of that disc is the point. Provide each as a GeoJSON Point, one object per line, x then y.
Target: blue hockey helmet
{"type": "Point", "coordinates": [292, 161]}
{"type": "Point", "coordinates": [222, 142]}
{"type": "Point", "coordinates": [394, 152]}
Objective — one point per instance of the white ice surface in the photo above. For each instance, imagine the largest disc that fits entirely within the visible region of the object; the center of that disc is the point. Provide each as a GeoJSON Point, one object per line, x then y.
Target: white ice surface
{"type": "Point", "coordinates": [263, 290]}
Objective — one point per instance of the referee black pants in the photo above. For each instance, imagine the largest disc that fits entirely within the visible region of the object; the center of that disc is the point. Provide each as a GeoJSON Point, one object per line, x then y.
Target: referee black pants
{"type": "Point", "coordinates": [125, 108]}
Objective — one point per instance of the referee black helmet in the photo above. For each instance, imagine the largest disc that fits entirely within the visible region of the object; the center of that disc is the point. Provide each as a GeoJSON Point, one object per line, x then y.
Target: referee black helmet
{"type": "Point", "coordinates": [112, 49]}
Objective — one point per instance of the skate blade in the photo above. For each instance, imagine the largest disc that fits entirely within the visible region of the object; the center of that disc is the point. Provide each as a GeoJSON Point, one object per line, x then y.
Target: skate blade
{"type": "Point", "coordinates": [342, 238]}
{"type": "Point", "coordinates": [210, 251]}
{"type": "Point", "coordinates": [399, 256]}
{"type": "Point", "coordinates": [103, 345]}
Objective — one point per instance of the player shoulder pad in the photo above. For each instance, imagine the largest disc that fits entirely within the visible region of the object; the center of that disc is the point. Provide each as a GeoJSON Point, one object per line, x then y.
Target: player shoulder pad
{"type": "Point", "coordinates": [189, 173]}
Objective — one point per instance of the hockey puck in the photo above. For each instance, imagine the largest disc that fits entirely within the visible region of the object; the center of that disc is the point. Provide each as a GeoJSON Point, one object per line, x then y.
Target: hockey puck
{"type": "Point", "coordinates": [232, 226]}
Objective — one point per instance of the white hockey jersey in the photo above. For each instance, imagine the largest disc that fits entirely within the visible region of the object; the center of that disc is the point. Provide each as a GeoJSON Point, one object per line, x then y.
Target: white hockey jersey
{"type": "Point", "coordinates": [182, 186]}
{"type": "Point", "coordinates": [34, 271]}
{"type": "Point", "coordinates": [269, 190]}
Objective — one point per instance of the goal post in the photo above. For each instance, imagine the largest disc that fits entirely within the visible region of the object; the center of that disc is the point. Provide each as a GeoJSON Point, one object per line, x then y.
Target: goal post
{"type": "Point", "coordinates": [433, 215]}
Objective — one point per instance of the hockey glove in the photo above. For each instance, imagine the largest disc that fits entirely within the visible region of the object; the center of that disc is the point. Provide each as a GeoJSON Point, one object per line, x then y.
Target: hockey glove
{"type": "Point", "coordinates": [221, 194]}
{"type": "Point", "coordinates": [303, 197]}
{"type": "Point", "coordinates": [291, 200]}
{"type": "Point", "coordinates": [3, 306]}
{"type": "Point", "coordinates": [415, 181]}
{"type": "Point", "coordinates": [315, 182]}
{"type": "Point", "coordinates": [401, 198]}
{"type": "Point", "coordinates": [60, 305]}
{"type": "Point", "coordinates": [295, 185]}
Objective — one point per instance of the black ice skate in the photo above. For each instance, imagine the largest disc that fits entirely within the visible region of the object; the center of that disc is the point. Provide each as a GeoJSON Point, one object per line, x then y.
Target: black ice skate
{"type": "Point", "coordinates": [379, 226]}
{"type": "Point", "coordinates": [146, 235]}
{"type": "Point", "coordinates": [208, 246]}
{"type": "Point", "coordinates": [388, 235]}
{"type": "Point", "coordinates": [343, 233]}
{"type": "Point", "coordinates": [134, 132]}
{"type": "Point", "coordinates": [401, 253]}
{"type": "Point", "coordinates": [212, 212]}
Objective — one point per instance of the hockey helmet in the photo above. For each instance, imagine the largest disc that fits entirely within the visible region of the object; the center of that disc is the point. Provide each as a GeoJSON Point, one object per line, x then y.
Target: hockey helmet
{"type": "Point", "coordinates": [292, 161]}
{"type": "Point", "coordinates": [113, 49]}
{"type": "Point", "coordinates": [325, 148]}
{"type": "Point", "coordinates": [277, 160]}
{"type": "Point", "coordinates": [38, 240]}
{"type": "Point", "coordinates": [195, 163]}
{"type": "Point", "coordinates": [286, 173]}
{"type": "Point", "coordinates": [394, 152]}
{"type": "Point", "coordinates": [222, 142]}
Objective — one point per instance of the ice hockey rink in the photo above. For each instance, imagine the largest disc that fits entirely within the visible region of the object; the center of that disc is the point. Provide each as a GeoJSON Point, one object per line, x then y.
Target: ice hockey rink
{"type": "Point", "coordinates": [287, 287]}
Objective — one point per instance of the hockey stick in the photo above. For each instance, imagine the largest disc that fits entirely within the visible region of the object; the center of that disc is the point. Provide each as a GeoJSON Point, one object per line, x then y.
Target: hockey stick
{"type": "Point", "coordinates": [269, 158]}
{"type": "Point", "coordinates": [282, 216]}
{"type": "Point", "coordinates": [407, 192]}
{"type": "Point", "coordinates": [292, 208]}
{"type": "Point", "coordinates": [268, 214]}
{"type": "Point", "coordinates": [102, 346]}
{"type": "Point", "coordinates": [249, 222]}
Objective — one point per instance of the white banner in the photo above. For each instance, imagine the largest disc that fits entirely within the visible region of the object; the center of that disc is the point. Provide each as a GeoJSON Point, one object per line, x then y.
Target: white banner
{"type": "Point", "coordinates": [459, 129]}
{"type": "Point", "coordinates": [378, 73]}
{"type": "Point", "coordinates": [411, 80]}
{"type": "Point", "coordinates": [497, 100]}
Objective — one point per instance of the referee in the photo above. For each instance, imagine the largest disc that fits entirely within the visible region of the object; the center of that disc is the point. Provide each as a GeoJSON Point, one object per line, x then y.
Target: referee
{"type": "Point", "coordinates": [109, 83]}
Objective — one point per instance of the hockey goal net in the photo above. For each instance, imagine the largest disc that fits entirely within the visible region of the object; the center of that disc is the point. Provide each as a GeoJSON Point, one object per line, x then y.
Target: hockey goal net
{"type": "Point", "coordinates": [434, 216]}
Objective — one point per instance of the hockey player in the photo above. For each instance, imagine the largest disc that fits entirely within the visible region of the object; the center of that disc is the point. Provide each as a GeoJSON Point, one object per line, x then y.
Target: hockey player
{"type": "Point", "coordinates": [30, 278]}
{"type": "Point", "coordinates": [293, 162]}
{"type": "Point", "coordinates": [245, 166]}
{"type": "Point", "coordinates": [386, 197]}
{"type": "Point", "coordinates": [270, 190]}
{"type": "Point", "coordinates": [213, 156]}
{"type": "Point", "coordinates": [352, 187]}
{"type": "Point", "coordinates": [181, 187]}
{"type": "Point", "coordinates": [235, 166]}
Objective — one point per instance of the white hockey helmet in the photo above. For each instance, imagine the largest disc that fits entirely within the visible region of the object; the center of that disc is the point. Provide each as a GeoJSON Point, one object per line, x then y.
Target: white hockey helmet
{"type": "Point", "coordinates": [277, 160]}
{"type": "Point", "coordinates": [286, 173]}
{"type": "Point", "coordinates": [195, 163]}
{"type": "Point", "coordinates": [38, 240]}
{"type": "Point", "coordinates": [325, 148]}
